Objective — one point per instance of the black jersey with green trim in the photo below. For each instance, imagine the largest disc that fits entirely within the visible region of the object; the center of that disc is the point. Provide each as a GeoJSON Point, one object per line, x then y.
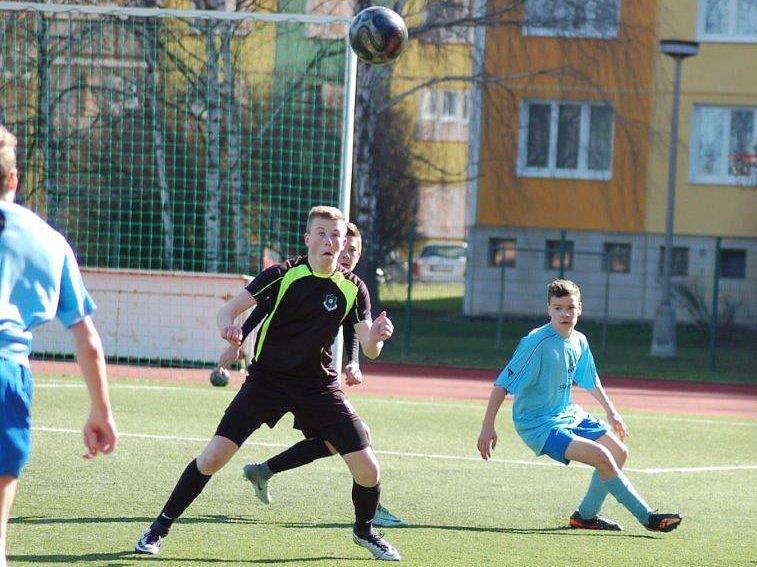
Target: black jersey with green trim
{"type": "Point", "coordinates": [295, 336]}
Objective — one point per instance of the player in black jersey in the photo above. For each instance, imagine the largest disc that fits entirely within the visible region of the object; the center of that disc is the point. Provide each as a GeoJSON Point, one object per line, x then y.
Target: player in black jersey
{"type": "Point", "coordinates": [313, 447]}
{"type": "Point", "coordinates": [307, 299]}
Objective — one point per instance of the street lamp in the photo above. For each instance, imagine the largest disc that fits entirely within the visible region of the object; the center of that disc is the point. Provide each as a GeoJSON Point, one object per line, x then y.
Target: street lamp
{"type": "Point", "coordinates": [664, 331]}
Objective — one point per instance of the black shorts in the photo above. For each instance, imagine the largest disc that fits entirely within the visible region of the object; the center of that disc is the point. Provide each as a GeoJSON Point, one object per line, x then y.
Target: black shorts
{"type": "Point", "coordinates": [319, 408]}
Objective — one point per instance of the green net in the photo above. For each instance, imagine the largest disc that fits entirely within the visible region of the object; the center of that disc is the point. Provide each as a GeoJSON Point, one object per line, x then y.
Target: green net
{"type": "Point", "coordinates": [171, 148]}
{"type": "Point", "coordinates": [174, 143]}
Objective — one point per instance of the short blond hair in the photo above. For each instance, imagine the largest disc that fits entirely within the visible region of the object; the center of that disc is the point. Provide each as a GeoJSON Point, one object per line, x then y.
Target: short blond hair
{"type": "Point", "coordinates": [324, 212]}
{"type": "Point", "coordinates": [563, 288]}
{"type": "Point", "coordinates": [7, 155]}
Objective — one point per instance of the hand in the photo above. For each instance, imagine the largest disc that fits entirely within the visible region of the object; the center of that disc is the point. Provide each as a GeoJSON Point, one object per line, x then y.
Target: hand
{"type": "Point", "coordinates": [381, 328]}
{"type": "Point", "coordinates": [617, 424]}
{"type": "Point", "coordinates": [100, 434]}
{"type": "Point", "coordinates": [229, 356]}
{"type": "Point", "coordinates": [487, 441]}
{"type": "Point", "coordinates": [232, 334]}
{"type": "Point", "coordinates": [352, 374]}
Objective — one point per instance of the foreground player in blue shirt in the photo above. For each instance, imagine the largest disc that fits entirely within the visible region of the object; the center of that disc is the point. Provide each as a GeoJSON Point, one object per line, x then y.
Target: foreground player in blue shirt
{"type": "Point", "coordinates": [39, 280]}
{"type": "Point", "coordinates": [539, 375]}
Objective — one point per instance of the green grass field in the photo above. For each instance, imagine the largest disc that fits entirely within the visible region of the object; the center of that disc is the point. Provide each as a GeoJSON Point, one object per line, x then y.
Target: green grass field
{"type": "Point", "coordinates": [471, 342]}
{"type": "Point", "coordinates": [461, 510]}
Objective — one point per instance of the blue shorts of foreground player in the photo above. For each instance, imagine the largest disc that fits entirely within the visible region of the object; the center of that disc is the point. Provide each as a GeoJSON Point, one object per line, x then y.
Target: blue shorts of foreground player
{"type": "Point", "coordinates": [15, 417]}
{"type": "Point", "coordinates": [560, 437]}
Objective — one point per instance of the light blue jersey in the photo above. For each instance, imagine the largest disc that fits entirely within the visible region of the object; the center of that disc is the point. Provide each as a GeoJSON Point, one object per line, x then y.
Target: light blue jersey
{"type": "Point", "coordinates": [39, 280]}
{"type": "Point", "coordinates": [539, 375]}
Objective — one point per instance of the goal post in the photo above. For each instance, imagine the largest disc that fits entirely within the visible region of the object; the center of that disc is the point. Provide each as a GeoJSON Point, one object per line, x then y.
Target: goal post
{"type": "Point", "coordinates": [177, 141]}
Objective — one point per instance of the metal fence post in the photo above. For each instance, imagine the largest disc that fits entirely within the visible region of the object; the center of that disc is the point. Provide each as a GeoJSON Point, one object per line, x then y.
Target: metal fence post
{"type": "Point", "coordinates": [409, 297]}
{"type": "Point", "coordinates": [714, 313]}
{"type": "Point", "coordinates": [501, 311]}
{"type": "Point", "coordinates": [607, 262]}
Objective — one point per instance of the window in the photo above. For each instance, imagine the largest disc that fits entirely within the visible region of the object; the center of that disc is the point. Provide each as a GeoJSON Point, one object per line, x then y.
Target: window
{"type": "Point", "coordinates": [733, 263]}
{"type": "Point", "coordinates": [552, 255]}
{"type": "Point", "coordinates": [724, 146]}
{"type": "Point", "coordinates": [680, 265]}
{"type": "Point", "coordinates": [572, 18]}
{"type": "Point", "coordinates": [727, 20]}
{"type": "Point", "coordinates": [444, 11]}
{"type": "Point", "coordinates": [616, 258]}
{"type": "Point", "coordinates": [565, 139]}
{"type": "Point", "coordinates": [447, 106]}
{"type": "Point", "coordinates": [502, 252]}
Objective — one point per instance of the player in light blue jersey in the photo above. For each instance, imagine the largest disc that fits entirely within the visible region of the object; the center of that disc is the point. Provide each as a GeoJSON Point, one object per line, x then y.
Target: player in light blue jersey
{"type": "Point", "coordinates": [547, 362]}
{"type": "Point", "coordinates": [39, 281]}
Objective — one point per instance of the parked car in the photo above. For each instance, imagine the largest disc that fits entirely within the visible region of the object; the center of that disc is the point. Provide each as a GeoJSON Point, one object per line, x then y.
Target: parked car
{"type": "Point", "coordinates": [441, 262]}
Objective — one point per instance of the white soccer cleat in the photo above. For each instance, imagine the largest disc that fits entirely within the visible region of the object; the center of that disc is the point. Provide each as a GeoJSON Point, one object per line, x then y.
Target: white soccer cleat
{"type": "Point", "coordinates": [377, 545]}
{"type": "Point", "coordinates": [258, 480]}
{"type": "Point", "coordinates": [149, 543]}
{"type": "Point", "coordinates": [385, 519]}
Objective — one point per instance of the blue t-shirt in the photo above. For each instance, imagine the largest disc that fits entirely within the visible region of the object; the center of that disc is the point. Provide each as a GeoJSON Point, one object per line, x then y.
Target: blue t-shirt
{"type": "Point", "coordinates": [539, 375]}
{"type": "Point", "coordinates": [39, 280]}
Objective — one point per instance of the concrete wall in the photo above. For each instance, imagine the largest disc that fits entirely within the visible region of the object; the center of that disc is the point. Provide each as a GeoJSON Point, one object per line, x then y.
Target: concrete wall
{"type": "Point", "coordinates": [632, 296]}
{"type": "Point", "coordinates": [151, 315]}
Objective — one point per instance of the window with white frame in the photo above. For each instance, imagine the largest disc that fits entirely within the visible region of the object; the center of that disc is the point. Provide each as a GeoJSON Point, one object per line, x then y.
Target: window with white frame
{"type": "Point", "coordinates": [445, 105]}
{"type": "Point", "coordinates": [727, 20]}
{"type": "Point", "coordinates": [724, 145]}
{"type": "Point", "coordinates": [572, 18]}
{"type": "Point", "coordinates": [565, 139]}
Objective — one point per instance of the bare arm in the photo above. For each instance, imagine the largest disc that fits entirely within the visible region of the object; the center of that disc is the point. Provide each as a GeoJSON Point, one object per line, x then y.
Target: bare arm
{"type": "Point", "coordinates": [100, 434]}
{"type": "Point", "coordinates": [372, 334]}
{"type": "Point", "coordinates": [227, 315]}
{"type": "Point", "coordinates": [487, 439]}
{"type": "Point", "coordinates": [613, 417]}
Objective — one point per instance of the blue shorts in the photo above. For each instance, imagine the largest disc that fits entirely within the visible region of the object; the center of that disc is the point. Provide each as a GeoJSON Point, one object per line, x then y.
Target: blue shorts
{"type": "Point", "coordinates": [15, 417]}
{"type": "Point", "coordinates": [560, 437]}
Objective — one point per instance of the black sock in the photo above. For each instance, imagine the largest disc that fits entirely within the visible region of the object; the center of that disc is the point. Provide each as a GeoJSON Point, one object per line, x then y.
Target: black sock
{"type": "Point", "coordinates": [299, 454]}
{"type": "Point", "coordinates": [365, 500]}
{"type": "Point", "coordinates": [190, 484]}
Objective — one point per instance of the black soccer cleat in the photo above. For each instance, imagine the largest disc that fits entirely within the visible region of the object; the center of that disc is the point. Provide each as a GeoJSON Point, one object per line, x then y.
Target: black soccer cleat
{"type": "Point", "coordinates": [595, 523]}
{"type": "Point", "coordinates": [374, 542]}
{"type": "Point", "coordinates": [663, 522]}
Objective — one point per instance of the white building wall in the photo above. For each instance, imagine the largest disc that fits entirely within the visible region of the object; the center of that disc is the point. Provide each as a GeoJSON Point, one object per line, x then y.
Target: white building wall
{"type": "Point", "coordinates": [631, 296]}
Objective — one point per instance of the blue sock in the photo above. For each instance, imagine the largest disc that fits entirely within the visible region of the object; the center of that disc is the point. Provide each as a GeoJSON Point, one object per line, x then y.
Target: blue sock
{"type": "Point", "coordinates": [595, 497]}
{"type": "Point", "coordinates": [624, 492]}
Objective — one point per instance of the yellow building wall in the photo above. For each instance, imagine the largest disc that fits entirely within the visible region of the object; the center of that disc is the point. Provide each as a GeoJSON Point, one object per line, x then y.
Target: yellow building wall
{"type": "Point", "coordinates": [618, 71]}
{"type": "Point", "coordinates": [422, 62]}
{"type": "Point", "coordinates": [722, 74]}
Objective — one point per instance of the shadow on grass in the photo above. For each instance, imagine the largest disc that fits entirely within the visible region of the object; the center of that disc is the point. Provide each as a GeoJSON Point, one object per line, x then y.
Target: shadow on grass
{"type": "Point", "coordinates": [118, 558]}
{"type": "Point", "coordinates": [222, 519]}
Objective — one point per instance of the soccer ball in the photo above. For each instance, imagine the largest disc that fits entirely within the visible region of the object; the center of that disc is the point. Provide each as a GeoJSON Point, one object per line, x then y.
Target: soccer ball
{"type": "Point", "coordinates": [378, 35]}
{"type": "Point", "coordinates": [219, 377]}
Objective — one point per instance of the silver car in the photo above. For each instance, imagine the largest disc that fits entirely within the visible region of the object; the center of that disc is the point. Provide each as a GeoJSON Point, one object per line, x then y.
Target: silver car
{"type": "Point", "coordinates": [441, 262]}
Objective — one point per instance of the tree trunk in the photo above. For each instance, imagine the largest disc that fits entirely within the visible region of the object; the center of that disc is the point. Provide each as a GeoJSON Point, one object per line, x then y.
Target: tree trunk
{"type": "Point", "coordinates": [234, 177]}
{"type": "Point", "coordinates": [212, 170]}
{"type": "Point", "coordinates": [150, 45]}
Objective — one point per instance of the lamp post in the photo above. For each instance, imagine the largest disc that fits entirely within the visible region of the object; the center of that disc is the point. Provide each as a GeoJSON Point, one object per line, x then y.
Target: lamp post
{"type": "Point", "coordinates": [664, 331]}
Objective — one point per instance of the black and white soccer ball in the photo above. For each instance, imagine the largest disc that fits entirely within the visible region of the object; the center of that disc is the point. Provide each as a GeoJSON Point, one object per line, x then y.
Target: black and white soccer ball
{"type": "Point", "coordinates": [220, 377]}
{"type": "Point", "coordinates": [378, 35]}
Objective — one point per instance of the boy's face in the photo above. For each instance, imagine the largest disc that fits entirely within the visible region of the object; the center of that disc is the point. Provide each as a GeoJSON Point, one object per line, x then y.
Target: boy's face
{"type": "Point", "coordinates": [564, 313]}
{"type": "Point", "coordinates": [325, 241]}
{"type": "Point", "coordinates": [350, 256]}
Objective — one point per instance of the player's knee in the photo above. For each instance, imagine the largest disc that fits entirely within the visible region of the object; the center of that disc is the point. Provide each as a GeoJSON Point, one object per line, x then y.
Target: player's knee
{"type": "Point", "coordinates": [210, 462]}
{"type": "Point", "coordinates": [621, 454]}
{"type": "Point", "coordinates": [368, 473]}
{"type": "Point", "coordinates": [604, 461]}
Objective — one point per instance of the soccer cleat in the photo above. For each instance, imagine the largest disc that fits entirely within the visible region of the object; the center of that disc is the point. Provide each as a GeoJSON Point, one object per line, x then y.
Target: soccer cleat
{"type": "Point", "coordinates": [663, 522]}
{"type": "Point", "coordinates": [595, 523]}
{"type": "Point", "coordinates": [258, 480]}
{"type": "Point", "coordinates": [149, 543]}
{"type": "Point", "coordinates": [377, 545]}
{"type": "Point", "coordinates": [385, 519]}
